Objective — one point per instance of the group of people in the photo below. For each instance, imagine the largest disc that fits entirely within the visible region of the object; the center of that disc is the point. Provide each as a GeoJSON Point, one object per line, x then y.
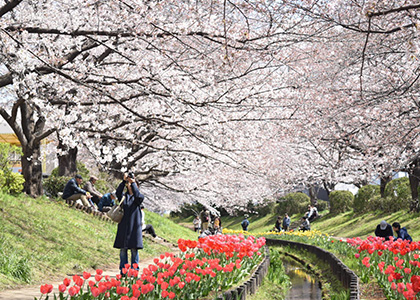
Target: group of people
{"type": "Point", "coordinates": [205, 221]}
{"type": "Point", "coordinates": [386, 230]}
{"type": "Point", "coordinates": [283, 224]}
{"type": "Point", "coordinates": [88, 195]}
{"type": "Point", "coordinates": [130, 229]}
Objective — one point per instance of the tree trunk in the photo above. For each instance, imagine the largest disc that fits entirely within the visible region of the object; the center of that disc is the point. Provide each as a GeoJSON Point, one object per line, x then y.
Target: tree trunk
{"type": "Point", "coordinates": [32, 170]}
{"type": "Point", "coordinates": [384, 181]}
{"type": "Point", "coordinates": [313, 191]}
{"type": "Point", "coordinates": [414, 177]}
{"type": "Point", "coordinates": [67, 163]}
{"type": "Point", "coordinates": [30, 133]}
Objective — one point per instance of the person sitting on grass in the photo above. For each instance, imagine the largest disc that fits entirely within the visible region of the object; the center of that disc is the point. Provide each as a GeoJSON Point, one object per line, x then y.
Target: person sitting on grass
{"type": "Point", "coordinates": [73, 192]}
{"type": "Point", "coordinates": [90, 187]}
{"type": "Point", "coordinates": [107, 202]}
{"type": "Point", "coordinates": [146, 227]}
{"type": "Point", "coordinates": [305, 226]}
{"type": "Point", "coordinates": [401, 232]}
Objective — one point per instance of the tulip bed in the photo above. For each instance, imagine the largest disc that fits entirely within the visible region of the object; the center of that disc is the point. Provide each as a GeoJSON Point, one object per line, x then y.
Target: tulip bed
{"type": "Point", "coordinates": [395, 264]}
{"type": "Point", "coordinates": [205, 268]}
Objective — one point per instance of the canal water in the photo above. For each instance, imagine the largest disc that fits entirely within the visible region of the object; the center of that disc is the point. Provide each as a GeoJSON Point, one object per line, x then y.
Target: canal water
{"type": "Point", "coordinates": [304, 286]}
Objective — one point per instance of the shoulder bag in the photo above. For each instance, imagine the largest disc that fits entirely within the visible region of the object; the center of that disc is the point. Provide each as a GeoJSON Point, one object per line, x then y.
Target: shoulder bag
{"type": "Point", "coordinates": [117, 212]}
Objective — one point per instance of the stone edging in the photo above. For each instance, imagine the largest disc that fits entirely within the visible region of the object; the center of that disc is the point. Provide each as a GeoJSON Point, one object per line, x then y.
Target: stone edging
{"type": "Point", "coordinates": [345, 275]}
{"type": "Point", "coordinates": [251, 285]}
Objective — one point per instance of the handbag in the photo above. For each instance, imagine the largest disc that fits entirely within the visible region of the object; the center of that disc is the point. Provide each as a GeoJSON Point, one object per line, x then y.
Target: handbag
{"type": "Point", "coordinates": [116, 213]}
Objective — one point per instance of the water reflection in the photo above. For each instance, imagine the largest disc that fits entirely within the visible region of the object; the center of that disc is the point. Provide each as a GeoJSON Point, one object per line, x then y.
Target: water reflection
{"type": "Point", "coordinates": [303, 285]}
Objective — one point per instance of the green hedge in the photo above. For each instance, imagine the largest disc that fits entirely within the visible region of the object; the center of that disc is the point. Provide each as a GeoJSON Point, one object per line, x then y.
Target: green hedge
{"type": "Point", "coordinates": [364, 196]}
{"type": "Point", "coordinates": [293, 203]}
{"type": "Point", "coordinates": [398, 193]}
{"type": "Point", "coordinates": [341, 201]}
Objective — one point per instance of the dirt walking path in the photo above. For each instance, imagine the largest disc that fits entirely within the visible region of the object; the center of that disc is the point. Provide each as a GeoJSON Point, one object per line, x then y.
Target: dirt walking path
{"type": "Point", "coordinates": [30, 292]}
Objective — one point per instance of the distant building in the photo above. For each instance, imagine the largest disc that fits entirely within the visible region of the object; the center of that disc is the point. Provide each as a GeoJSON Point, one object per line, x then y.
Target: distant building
{"type": "Point", "coordinates": [49, 160]}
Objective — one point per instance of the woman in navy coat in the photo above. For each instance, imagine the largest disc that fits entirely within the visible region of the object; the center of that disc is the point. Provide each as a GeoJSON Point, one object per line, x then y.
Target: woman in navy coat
{"type": "Point", "coordinates": [129, 233]}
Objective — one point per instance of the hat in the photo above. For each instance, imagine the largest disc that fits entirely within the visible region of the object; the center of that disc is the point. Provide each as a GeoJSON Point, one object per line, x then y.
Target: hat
{"type": "Point", "coordinates": [78, 176]}
{"type": "Point", "coordinates": [93, 178]}
{"type": "Point", "coordinates": [141, 206]}
{"type": "Point", "coordinates": [114, 193]}
{"type": "Point", "coordinates": [383, 225]}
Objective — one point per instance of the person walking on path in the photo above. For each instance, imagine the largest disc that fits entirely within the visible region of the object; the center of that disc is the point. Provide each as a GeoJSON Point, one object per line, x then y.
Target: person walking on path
{"type": "Point", "coordinates": [401, 232]}
{"type": "Point", "coordinates": [245, 223]}
{"type": "Point", "coordinates": [205, 219]}
{"type": "Point", "coordinates": [197, 223]}
{"type": "Point", "coordinates": [129, 232]}
{"type": "Point", "coordinates": [384, 230]}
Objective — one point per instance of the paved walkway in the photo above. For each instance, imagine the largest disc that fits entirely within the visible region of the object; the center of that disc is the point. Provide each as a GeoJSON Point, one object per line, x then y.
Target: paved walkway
{"type": "Point", "coordinates": [29, 292]}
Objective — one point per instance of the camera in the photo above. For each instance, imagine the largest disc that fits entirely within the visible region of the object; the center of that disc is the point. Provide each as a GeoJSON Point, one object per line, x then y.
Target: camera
{"type": "Point", "coordinates": [130, 175]}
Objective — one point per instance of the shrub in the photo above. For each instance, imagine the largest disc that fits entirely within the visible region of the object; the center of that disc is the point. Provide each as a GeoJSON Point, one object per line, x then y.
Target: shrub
{"type": "Point", "coordinates": [13, 183]}
{"type": "Point", "coordinates": [322, 205]}
{"type": "Point", "coordinates": [379, 203]}
{"type": "Point", "coordinates": [399, 193]}
{"type": "Point", "coordinates": [341, 201]}
{"type": "Point", "coordinates": [363, 196]}
{"type": "Point", "coordinates": [55, 184]}
{"type": "Point", "coordinates": [293, 203]}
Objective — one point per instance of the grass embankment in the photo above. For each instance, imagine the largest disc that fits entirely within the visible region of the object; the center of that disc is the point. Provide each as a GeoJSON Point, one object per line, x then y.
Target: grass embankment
{"type": "Point", "coordinates": [42, 240]}
{"type": "Point", "coordinates": [345, 225]}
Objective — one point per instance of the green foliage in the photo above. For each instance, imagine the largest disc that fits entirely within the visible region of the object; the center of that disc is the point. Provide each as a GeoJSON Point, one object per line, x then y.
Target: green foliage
{"type": "Point", "coordinates": [265, 208]}
{"type": "Point", "coordinates": [322, 205]}
{"type": "Point", "coordinates": [14, 264]}
{"type": "Point", "coordinates": [6, 152]}
{"type": "Point", "coordinates": [341, 201]}
{"type": "Point", "coordinates": [10, 182]}
{"type": "Point", "coordinates": [293, 203]}
{"type": "Point", "coordinates": [399, 193]}
{"type": "Point", "coordinates": [14, 183]}
{"type": "Point", "coordinates": [55, 184]}
{"type": "Point", "coordinates": [42, 239]}
{"type": "Point", "coordinates": [363, 196]}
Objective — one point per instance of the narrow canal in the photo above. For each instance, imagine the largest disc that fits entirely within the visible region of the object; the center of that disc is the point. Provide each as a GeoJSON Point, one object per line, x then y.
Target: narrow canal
{"type": "Point", "coordinates": [304, 286]}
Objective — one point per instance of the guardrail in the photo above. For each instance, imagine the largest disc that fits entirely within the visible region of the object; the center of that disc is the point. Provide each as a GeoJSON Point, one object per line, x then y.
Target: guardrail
{"type": "Point", "coordinates": [251, 285]}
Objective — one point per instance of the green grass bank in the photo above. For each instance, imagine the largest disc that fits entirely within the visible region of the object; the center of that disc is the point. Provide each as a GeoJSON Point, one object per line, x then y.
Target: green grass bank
{"type": "Point", "coordinates": [42, 239]}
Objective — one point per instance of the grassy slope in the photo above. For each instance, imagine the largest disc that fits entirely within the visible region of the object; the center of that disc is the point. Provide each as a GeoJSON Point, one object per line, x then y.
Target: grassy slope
{"type": "Point", "coordinates": [53, 240]}
{"type": "Point", "coordinates": [343, 225]}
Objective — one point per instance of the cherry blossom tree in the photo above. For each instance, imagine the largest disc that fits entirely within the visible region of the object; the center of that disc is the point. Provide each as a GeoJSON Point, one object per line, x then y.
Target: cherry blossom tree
{"type": "Point", "coordinates": [222, 101]}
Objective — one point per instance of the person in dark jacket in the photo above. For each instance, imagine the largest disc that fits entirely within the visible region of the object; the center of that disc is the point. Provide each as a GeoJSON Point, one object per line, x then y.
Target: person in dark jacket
{"type": "Point", "coordinates": [73, 192]}
{"type": "Point", "coordinates": [129, 232]}
{"type": "Point", "coordinates": [245, 223]}
{"type": "Point", "coordinates": [107, 202]}
{"type": "Point", "coordinates": [401, 232]}
{"type": "Point", "coordinates": [384, 230]}
{"type": "Point", "coordinates": [277, 226]}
